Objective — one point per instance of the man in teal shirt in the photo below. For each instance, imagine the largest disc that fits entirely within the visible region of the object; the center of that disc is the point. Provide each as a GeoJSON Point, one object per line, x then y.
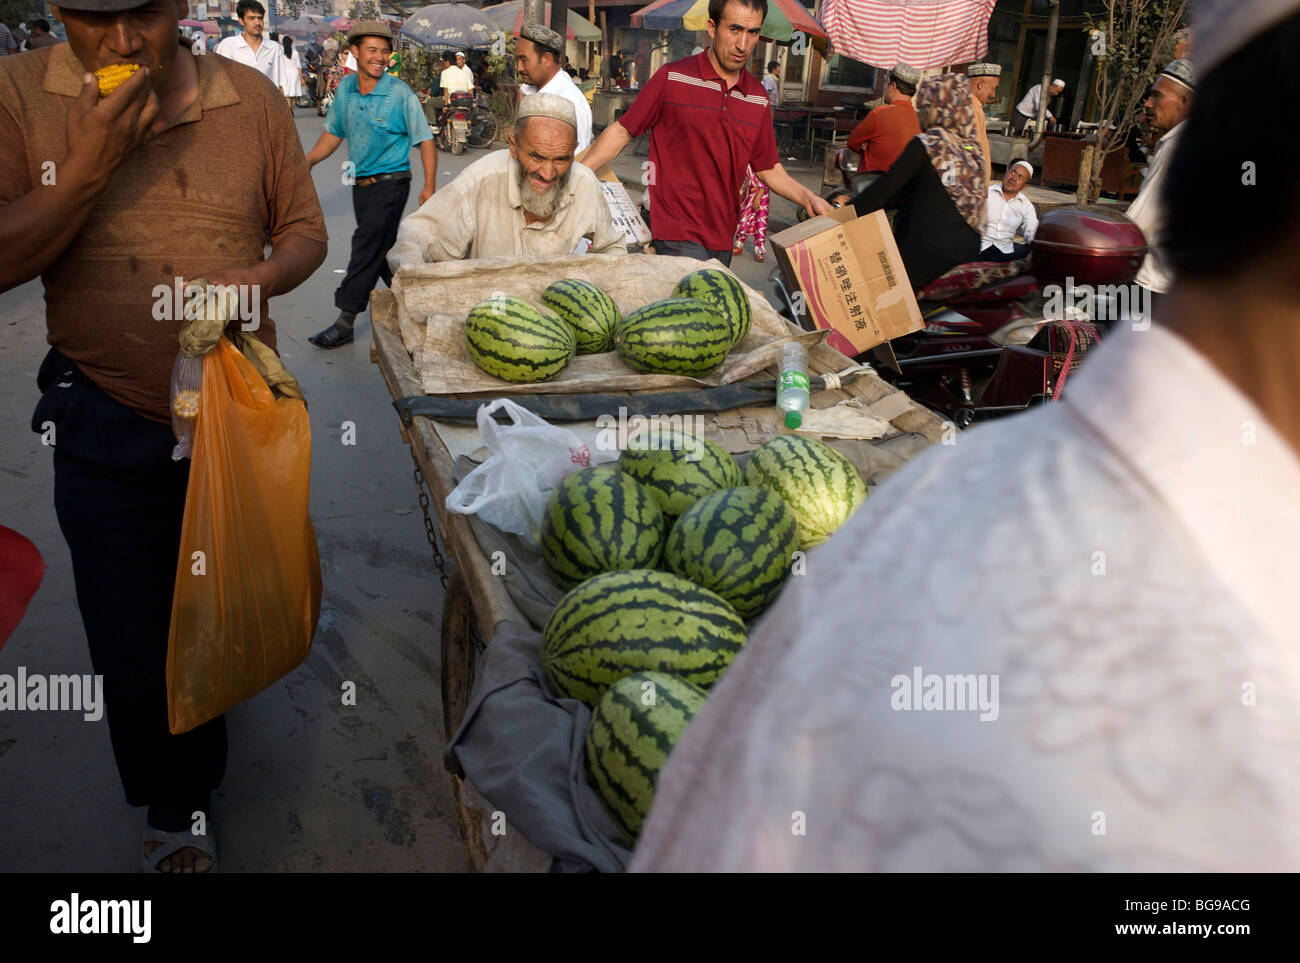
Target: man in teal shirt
{"type": "Point", "coordinates": [381, 119]}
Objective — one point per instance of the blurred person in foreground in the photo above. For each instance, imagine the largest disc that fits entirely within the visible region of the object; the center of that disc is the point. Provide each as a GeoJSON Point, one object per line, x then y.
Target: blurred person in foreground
{"type": "Point", "coordinates": [143, 201]}
{"type": "Point", "coordinates": [1125, 590]}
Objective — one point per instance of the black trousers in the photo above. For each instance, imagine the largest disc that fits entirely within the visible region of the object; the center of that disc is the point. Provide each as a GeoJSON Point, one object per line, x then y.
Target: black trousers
{"type": "Point", "coordinates": [378, 209]}
{"type": "Point", "coordinates": [120, 500]}
{"type": "Point", "coordinates": [991, 253]}
{"type": "Point", "coordinates": [691, 249]}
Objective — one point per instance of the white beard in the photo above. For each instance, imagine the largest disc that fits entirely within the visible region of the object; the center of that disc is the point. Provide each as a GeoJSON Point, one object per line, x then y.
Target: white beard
{"type": "Point", "coordinates": [539, 205]}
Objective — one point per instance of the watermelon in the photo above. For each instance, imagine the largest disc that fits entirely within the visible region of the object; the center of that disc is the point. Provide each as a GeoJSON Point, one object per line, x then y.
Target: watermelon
{"type": "Point", "coordinates": [681, 470]}
{"type": "Point", "coordinates": [515, 341]}
{"type": "Point", "coordinates": [820, 485]}
{"type": "Point", "coordinates": [591, 313]}
{"type": "Point", "coordinates": [637, 620]}
{"type": "Point", "coordinates": [737, 543]}
{"type": "Point", "coordinates": [723, 291]}
{"type": "Point", "coordinates": [598, 520]}
{"type": "Point", "coordinates": [632, 730]}
{"type": "Point", "coordinates": [681, 336]}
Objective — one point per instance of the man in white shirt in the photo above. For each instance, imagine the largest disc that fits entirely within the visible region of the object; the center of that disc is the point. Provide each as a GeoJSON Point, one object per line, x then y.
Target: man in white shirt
{"type": "Point", "coordinates": [1027, 109]}
{"type": "Point", "coordinates": [530, 199]}
{"type": "Point", "coordinates": [772, 83]}
{"type": "Point", "coordinates": [458, 77]}
{"type": "Point", "coordinates": [251, 48]}
{"type": "Point", "coordinates": [537, 59]}
{"type": "Point", "coordinates": [1097, 669]}
{"type": "Point", "coordinates": [1167, 107]}
{"type": "Point", "coordinates": [1009, 213]}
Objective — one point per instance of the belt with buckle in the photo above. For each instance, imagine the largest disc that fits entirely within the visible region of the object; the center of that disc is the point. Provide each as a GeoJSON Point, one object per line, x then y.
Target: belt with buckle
{"type": "Point", "coordinates": [397, 176]}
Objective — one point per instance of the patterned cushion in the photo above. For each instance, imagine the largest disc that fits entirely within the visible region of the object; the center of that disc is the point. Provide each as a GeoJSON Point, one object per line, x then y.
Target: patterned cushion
{"type": "Point", "coordinates": [970, 277]}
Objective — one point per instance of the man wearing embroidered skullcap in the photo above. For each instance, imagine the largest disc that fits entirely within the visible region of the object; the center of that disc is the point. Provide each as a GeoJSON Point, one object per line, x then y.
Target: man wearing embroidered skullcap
{"type": "Point", "coordinates": [885, 131]}
{"type": "Point", "coordinates": [529, 199]}
{"type": "Point", "coordinates": [538, 53]}
{"type": "Point", "coordinates": [984, 91]}
{"type": "Point", "coordinates": [1167, 107]}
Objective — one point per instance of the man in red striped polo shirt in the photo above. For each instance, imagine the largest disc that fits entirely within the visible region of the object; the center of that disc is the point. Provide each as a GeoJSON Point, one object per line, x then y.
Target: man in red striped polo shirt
{"type": "Point", "coordinates": [709, 120]}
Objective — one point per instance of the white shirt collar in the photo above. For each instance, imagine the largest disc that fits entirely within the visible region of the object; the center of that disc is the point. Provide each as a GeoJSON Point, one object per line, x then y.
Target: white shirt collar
{"type": "Point", "coordinates": [1209, 454]}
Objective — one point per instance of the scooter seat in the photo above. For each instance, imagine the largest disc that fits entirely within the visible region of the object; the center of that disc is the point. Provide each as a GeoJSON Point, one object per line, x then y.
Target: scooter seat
{"type": "Point", "coordinates": [971, 277]}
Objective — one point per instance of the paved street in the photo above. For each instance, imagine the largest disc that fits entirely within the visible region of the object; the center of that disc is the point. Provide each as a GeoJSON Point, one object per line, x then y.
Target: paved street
{"type": "Point", "coordinates": [311, 784]}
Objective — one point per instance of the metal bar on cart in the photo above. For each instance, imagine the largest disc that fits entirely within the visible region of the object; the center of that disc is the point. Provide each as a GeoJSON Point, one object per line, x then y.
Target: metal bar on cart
{"type": "Point", "coordinates": [586, 407]}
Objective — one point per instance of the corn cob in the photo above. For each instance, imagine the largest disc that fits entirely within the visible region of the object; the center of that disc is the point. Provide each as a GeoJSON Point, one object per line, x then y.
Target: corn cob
{"type": "Point", "coordinates": [114, 76]}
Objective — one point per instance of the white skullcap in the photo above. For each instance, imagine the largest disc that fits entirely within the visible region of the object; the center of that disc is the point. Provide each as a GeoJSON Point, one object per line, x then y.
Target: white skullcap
{"type": "Point", "coordinates": [548, 105]}
{"type": "Point", "coordinates": [1058, 83]}
{"type": "Point", "coordinates": [1222, 27]}
{"type": "Point", "coordinates": [1022, 163]}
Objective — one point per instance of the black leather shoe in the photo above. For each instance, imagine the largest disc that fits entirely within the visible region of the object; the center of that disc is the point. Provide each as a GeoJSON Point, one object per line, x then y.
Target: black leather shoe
{"type": "Point", "coordinates": [332, 337]}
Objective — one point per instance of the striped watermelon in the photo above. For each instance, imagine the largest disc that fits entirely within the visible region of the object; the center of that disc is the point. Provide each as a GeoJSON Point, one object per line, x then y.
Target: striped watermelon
{"type": "Point", "coordinates": [636, 620]}
{"type": "Point", "coordinates": [820, 485]}
{"type": "Point", "coordinates": [515, 341]}
{"type": "Point", "coordinates": [681, 470]}
{"type": "Point", "coordinates": [590, 311]}
{"type": "Point", "coordinates": [633, 728]}
{"type": "Point", "coordinates": [680, 336]}
{"type": "Point", "coordinates": [598, 520]}
{"type": "Point", "coordinates": [722, 290]}
{"type": "Point", "coordinates": [737, 543]}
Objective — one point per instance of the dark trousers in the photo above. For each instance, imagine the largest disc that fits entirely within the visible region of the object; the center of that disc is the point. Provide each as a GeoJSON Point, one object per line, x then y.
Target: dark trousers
{"type": "Point", "coordinates": [691, 249]}
{"type": "Point", "coordinates": [1017, 251]}
{"type": "Point", "coordinates": [378, 209]}
{"type": "Point", "coordinates": [120, 500]}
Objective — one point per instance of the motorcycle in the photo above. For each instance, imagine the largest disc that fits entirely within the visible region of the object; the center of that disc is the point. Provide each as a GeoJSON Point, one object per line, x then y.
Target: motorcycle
{"type": "Point", "coordinates": [1000, 338]}
{"type": "Point", "coordinates": [452, 130]}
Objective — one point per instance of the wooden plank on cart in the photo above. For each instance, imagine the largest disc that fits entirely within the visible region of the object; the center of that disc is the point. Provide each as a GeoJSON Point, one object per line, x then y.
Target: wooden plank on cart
{"type": "Point", "coordinates": [486, 848]}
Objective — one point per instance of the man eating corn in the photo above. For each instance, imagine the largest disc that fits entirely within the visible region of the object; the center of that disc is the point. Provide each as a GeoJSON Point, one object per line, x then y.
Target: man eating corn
{"type": "Point", "coordinates": [110, 195]}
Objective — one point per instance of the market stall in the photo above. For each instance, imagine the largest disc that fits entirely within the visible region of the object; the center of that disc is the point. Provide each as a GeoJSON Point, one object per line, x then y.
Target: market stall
{"type": "Point", "coordinates": [500, 593]}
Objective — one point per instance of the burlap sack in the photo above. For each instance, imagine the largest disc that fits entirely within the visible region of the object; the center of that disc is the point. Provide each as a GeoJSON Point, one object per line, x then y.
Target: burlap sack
{"type": "Point", "coordinates": [434, 300]}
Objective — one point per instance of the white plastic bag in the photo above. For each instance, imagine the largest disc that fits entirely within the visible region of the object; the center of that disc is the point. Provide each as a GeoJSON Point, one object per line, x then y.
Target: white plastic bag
{"type": "Point", "coordinates": [529, 458]}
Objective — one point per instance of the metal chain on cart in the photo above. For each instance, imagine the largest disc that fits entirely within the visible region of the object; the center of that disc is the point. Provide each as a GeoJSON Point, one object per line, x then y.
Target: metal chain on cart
{"type": "Point", "coordinates": [439, 562]}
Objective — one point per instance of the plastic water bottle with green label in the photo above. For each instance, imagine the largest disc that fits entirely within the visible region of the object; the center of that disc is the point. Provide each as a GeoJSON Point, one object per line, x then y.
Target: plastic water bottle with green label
{"type": "Point", "coordinates": [792, 385]}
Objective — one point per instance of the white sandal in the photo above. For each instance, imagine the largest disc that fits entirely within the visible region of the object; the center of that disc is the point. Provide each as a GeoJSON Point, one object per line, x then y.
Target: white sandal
{"type": "Point", "coordinates": [173, 843]}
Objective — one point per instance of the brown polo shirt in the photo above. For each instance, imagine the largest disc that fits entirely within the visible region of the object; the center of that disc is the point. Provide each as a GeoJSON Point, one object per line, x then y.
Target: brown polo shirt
{"type": "Point", "coordinates": [189, 201]}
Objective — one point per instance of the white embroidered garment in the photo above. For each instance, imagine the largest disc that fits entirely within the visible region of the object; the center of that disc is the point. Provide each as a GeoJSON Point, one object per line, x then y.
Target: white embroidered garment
{"type": "Point", "coordinates": [1123, 562]}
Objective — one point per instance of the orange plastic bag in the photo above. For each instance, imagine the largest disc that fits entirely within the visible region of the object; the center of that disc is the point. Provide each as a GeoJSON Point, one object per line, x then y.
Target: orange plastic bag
{"type": "Point", "coordinates": [248, 588]}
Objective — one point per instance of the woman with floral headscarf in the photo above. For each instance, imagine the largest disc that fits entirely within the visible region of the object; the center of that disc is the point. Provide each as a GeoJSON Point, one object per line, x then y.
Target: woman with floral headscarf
{"type": "Point", "coordinates": [937, 184]}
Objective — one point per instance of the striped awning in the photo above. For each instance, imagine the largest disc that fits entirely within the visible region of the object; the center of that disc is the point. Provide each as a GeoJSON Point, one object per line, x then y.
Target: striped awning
{"type": "Point", "coordinates": [921, 33]}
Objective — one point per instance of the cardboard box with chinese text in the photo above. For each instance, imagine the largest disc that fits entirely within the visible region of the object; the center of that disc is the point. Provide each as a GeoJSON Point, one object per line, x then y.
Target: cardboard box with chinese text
{"type": "Point", "coordinates": [850, 276]}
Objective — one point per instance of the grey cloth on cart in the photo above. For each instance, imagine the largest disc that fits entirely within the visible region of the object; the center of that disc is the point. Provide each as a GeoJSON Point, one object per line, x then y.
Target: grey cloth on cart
{"type": "Point", "coordinates": [522, 748]}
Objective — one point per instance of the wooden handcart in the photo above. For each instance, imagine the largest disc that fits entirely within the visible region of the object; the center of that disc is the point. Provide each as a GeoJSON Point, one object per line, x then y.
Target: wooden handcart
{"type": "Point", "coordinates": [476, 600]}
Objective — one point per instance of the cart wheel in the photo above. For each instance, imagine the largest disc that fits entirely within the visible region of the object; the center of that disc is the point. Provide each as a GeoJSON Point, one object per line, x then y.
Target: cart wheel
{"type": "Point", "coordinates": [460, 652]}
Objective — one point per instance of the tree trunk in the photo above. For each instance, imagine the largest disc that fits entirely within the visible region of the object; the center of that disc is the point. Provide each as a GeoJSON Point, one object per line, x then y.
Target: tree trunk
{"type": "Point", "coordinates": [1087, 181]}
